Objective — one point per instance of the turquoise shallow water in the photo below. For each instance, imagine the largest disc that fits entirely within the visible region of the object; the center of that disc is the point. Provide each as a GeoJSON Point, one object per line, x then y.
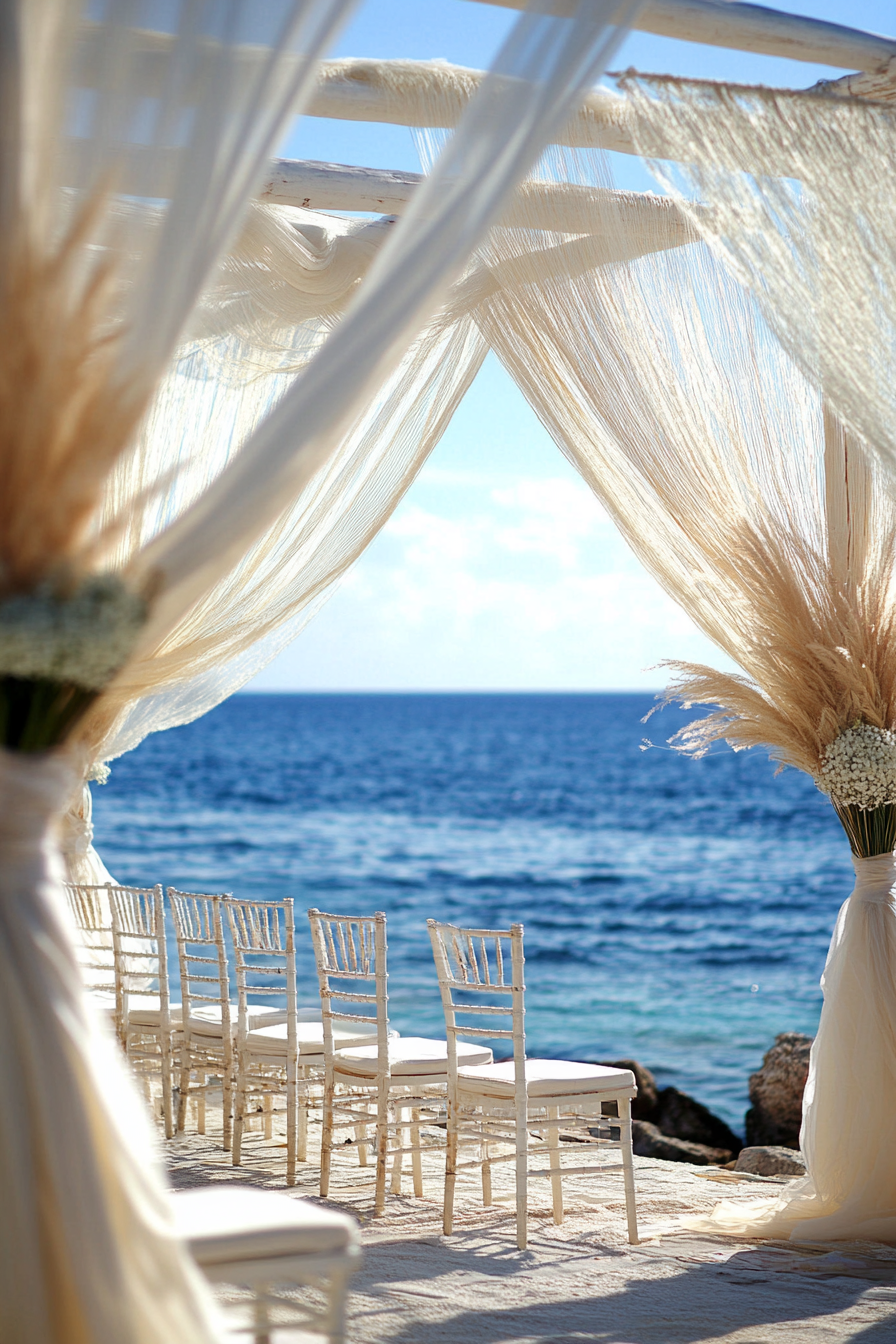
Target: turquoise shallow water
{"type": "Point", "coordinates": [675, 911]}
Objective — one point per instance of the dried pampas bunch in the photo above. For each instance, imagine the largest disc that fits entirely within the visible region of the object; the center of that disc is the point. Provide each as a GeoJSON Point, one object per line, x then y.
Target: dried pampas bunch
{"type": "Point", "coordinates": [821, 694]}
{"type": "Point", "coordinates": [127, 158]}
{"type": "Point", "coordinates": [65, 420]}
{"type": "Point", "coordinates": [736, 487]}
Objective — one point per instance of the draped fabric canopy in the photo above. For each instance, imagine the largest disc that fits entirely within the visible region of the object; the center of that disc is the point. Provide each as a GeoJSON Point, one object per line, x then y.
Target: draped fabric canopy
{"type": "Point", "coordinates": [235, 568]}
{"type": "Point", "coordinates": [129, 150]}
{"type": "Point", "coordinates": [219, 391]}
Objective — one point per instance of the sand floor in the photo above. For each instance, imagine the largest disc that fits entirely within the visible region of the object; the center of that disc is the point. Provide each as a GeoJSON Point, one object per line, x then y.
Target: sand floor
{"type": "Point", "coordinates": [579, 1281]}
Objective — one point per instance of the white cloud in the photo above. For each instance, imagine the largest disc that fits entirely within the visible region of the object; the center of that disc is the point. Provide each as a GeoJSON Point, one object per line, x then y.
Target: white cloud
{"type": "Point", "coordinates": [477, 584]}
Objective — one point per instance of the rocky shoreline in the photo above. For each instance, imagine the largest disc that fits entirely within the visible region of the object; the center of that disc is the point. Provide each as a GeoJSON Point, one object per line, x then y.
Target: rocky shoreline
{"type": "Point", "coordinates": [669, 1124]}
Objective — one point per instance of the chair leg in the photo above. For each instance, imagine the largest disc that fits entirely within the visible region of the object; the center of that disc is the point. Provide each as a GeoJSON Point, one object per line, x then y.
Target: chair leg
{"type": "Point", "coordinates": [628, 1169]}
{"type": "Point", "coordinates": [184, 1092]}
{"type": "Point", "coordinates": [326, 1137]}
{"type": "Point", "coordinates": [554, 1162]}
{"type": "Point", "coordinates": [304, 1085]}
{"type": "Point", "coordinates": [522, 1177]}
{"type": "Point", "coordinates": [292, 1099]}
{"type": "Point", "coordinates": [165, 1053]}
{"type": "Point", "coordinates": [360, 1136]}
{"type": "Point", "coordinates": [201, 1080]}
{"type": "Point", "coordinates": [401, 1132]}
{"type": "Point", "coordinates": [485, 1172]}
{"type": "Point", "coordinates": [450, 1168]}
{"type": "Point", "coordinates": [227, 1106]}
{"type": "Point", "coordinates": [261, 1326]}
{"type": "Point", "coordinates": [416, 1155]}
{"type": "Point", "coordinates": [269, 1115]}
{"type": "Point", "coordinates": [382, 1143]}
{"type": "Point", "coordinates": [336, 1300]}
{"type": "Point", "coordinates": [239, 1113]}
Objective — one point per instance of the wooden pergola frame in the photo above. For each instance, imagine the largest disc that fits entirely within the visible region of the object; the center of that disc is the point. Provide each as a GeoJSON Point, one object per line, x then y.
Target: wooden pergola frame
{"type": "Point", "coordinates": [365, 90]}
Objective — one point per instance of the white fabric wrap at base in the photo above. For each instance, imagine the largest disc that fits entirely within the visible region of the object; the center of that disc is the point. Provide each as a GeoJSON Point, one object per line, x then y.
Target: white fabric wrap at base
{"type": "Point", "coordinates": [87, 1250]}
{"type": "Point", "coordinates": [850, 1098]}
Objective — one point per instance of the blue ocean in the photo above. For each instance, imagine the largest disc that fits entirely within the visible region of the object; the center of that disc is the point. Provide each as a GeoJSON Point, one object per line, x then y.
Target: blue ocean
{"type": "Point", "coordinates": [676, 911]}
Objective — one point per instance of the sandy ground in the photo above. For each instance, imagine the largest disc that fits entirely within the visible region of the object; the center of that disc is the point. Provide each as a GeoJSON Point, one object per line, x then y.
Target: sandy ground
{"type": "Point", "coordinates": [578, 1281]}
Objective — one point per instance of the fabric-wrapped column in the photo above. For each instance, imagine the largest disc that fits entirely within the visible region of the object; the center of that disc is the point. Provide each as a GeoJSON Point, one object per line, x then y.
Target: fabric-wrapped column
{"type": "Point", "coordinates": [87, 1248]}
{"type": "Point", "coordinates": [850, 1097]}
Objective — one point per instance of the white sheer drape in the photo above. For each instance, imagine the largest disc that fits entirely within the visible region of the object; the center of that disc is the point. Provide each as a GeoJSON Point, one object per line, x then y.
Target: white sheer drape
{"type": "Point", "coordinates": [740, 491]}
{"type": "Point", "coordinates": [797, 199]}
{"type": "Point", "coordinates": [259, 606]}
{"type": "Point", "coordinates": [544, 65]}
{"type": "Point", "coordinates": [187, 115]}
{"type": "Point", "coordinates": [257, 388]}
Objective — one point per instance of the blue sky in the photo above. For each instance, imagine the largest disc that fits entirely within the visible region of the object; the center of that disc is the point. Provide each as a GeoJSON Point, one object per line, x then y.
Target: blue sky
{"type": "Point", "coordinates": [499, 569]}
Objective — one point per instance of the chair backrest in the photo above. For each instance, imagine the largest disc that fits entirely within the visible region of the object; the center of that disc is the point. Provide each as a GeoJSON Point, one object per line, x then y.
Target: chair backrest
{"type": "Point", "coordinates": [92, 916]}
{"type": "Point", "coordinates": [141, 953]}
{"type": "Point", "coordinates": [351, 950]}
{"type": "Point", "coordinates": [264, 954]}
{"type": "Point", "coordinates": [201, 954]}
{"type": "Point", "coordinates": [481, 975]}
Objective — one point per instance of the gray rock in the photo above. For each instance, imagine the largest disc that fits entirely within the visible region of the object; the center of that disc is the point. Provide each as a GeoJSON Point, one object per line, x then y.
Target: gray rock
{"type": "Point", "coordinates": [681, 1117]}
{"type": "Point", "coordinates": [644, 1104]}
{"type": "Point", "coordinates": [776, 1093]}
{"type": "Point", "coordinates": [648, 1141]}
{"type": "Point", "coordinates": [771, 1161]}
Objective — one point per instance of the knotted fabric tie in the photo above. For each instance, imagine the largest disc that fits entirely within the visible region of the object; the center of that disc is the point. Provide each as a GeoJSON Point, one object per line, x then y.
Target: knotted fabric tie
{"type": "Point", "coordinates": [875, 879]}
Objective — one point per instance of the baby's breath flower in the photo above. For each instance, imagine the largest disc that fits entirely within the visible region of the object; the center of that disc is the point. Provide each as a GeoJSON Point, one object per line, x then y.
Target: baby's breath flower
{"type": "Point", "coordinates": [80, 640]}
{"type": "Point", "coordinates": [859, 767]}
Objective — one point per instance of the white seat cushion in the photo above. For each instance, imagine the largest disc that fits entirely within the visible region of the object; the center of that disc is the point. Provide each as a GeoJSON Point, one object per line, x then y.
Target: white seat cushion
{"type": "Point", "coordinates": [206, 1021]}
{"type": "Point", "coordinates": [411, 1055]}
{"type": "Point", "coordinates": [227, 1223]}
{"type": "Point", "coordinates": [144, 1010]}
{"type": "Point", "coordinates": [310, 1036]}
{"type": "Point", "coordinates": [546, 1078]}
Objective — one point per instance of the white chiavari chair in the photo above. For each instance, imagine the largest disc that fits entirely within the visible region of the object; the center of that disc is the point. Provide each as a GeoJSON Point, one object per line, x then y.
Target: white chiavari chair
{"type": "Point", "coordinates": [206, 1037]}
{"type": "Point", "coordinates": [92, 916]}
{"type": "Point", "coordinates": [267, 1241]}
{"type": "Point", "coordinates": [148, 1018]}
{"type": "Point", "coordinates": [498, 1106]}
{"type": "Point", "coordinates": [285, 1058]}
{"type": "Point", "coordinates": [396, 1077]}
{"type": "Point", "coordinates": [209, 1016]}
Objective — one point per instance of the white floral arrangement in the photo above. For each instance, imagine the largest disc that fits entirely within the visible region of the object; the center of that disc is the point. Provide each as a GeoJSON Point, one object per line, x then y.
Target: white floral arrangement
{"type": "Point", "coordinates": [80, 639]}
{"type": "Point", "coordinates": [859, 767]}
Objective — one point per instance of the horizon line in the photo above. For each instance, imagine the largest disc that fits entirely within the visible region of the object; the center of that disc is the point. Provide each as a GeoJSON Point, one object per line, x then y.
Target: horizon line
{"type": "Point", "coordinates": [446, 690]}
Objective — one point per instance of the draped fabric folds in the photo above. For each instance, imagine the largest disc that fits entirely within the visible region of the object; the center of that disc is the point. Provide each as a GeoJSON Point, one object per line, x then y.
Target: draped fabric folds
{"type": "Point", "coordinates": [796, 198]}
{"type": "Point", "coordinates": [206, 409]}
{"type": "Point", "coordinates": [742, 493]}
{"type": "Point", "coordinates": [129, 149]}
{"type": "Point", "coordinates": [850, 1192]}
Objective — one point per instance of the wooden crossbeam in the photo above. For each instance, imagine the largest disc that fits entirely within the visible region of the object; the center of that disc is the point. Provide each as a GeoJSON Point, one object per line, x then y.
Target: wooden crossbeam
{"type": "Point", "coordinates": [744, 27]}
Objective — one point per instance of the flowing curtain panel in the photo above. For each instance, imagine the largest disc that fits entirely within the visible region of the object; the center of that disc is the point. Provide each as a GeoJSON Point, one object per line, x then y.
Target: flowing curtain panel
{"type": "Point", "coordinates": [279, 295]}
{"type": "Point", "coordinates": [740, 491]}
{"type": "Point", "coordinates": [543, 65]}
{"type": "Point", "coordinates": [86, 1247]}
{"type": "Point", "coordinates": [128, 150]}
{"type": "Point", "coordinates": [285, 284]}
{"type": "Point", "coordinates": [798, 201]}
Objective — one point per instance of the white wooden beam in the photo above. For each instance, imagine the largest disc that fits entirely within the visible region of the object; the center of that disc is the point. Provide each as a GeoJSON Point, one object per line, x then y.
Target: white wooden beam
{"type": "Point", "coordinates": [555, 207]}
{"type": "Point", "coordinates": [435, 94]}
{"type": "Point", "coordinates": [335, 186]}
{"type": "Point", "coordinates": [878, 87]}
{"type": "Point", "coordinates": [745, 27]}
